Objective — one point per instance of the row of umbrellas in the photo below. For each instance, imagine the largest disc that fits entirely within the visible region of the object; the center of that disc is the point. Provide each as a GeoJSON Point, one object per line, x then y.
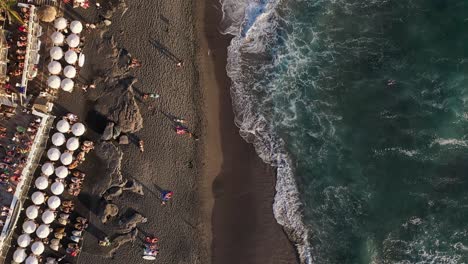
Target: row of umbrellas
{"type": "Point", "coordinates": [56, 53]}
{"type": "Point", "coordinates": [75, 26]}
{"type": "Point", "coordinates": [72, 40]}
{"type": "Point", "coordinates": [78, 129]}
{"type": "Point", "coordinates": [71, 57]}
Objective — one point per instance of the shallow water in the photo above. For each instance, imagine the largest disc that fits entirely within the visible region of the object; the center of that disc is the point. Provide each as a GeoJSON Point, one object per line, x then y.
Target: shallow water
{"type": "Point", "coordinates": [367, 101]}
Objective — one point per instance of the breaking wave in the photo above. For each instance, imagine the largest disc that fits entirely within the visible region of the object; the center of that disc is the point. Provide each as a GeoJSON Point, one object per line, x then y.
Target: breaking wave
{"type": "Point", "coordinates": [253, 25]}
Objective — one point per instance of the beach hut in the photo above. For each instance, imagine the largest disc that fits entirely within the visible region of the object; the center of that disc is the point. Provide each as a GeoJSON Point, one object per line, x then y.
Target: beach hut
{"type": "Point", "coordinates": [73, 40]}
{"type": "Point", "coordinates": [48, 217]}
{"type": "Point", "coordinates": [66, 158]}
{"type": "Point", "coordinates": [23, 240]}
{"type": "Point", "coordinates": [54, 67]}
{"type": "Point", "coordinates": [37, 248]}
{"type": "Point", "coordinates": [69, 71]}
{"type": "Point", "coordinates": [57, 38]}
{"type": "Point", "coordinates": [76, 26]}
{"type": "Point", "coordinates": [63, 126]}
{"type": "Point", "coordinates": [61, 172]}
{"type": "Point", "coordinates": [56, 53]}
{"type": "Point", "coordinates": [67, 85]}
{"type": "Point", "coordinates": [38, 198]}
{"type": "Point", "coordinates": [53, 202]}
{"type": "Point", "coordinates": [43, 230]}
{"type": "Point", "coordinates": [20, 255]}
{"type": "Point", "coordinates": [58, 139]}
{"type": "Point", "coordinates": [57, 188]}
{"type": "Point", "coordinates": [73, 143]}
{"type": "Point", "coordinates": [31, 260]}
{"type": "Point", "coordinates": [32, 212]}
{"type": "Point", "coordinates": [41, 183]}
{"type": "Point", "coordinates": [71, 57]}
{"type": "Point", "coordinates": [47, 168]}
{"type": "Point", "coordinates": [60, 23]}
{"type": "Point", "coordinates": [29, 227]}
{"type": "Point", "coordinates": [53, 154]}
{"type": "Point", "coordinates": [53, 82]}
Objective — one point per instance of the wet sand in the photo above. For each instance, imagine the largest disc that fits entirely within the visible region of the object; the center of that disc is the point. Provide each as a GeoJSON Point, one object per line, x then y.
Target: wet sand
{"type": "Point", "coordinates": [223, 193]}
{"type": "Point", "coordinates": [243, 227]}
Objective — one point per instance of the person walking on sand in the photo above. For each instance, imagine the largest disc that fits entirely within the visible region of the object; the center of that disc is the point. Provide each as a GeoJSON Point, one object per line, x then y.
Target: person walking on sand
{"type": "Point", "coordinates": [180, 64]}
{"type": "Point", "coordinates": [141, 145]}
{"type": "Point", "coordinates": [166, 196]}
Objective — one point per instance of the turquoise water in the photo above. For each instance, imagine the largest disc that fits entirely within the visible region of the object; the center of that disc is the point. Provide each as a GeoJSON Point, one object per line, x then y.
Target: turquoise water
{"type": "Point", "coordinates": [382, 170]}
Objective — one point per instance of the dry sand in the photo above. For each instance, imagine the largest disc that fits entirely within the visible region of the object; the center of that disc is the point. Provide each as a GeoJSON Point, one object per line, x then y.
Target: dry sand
{"type": "Point", "coordinates": [223, 193]}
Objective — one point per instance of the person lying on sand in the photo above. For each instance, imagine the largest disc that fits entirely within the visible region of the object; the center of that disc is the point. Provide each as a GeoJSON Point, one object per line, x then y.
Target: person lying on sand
{"type": "Point", "coordinates": [166, 196]}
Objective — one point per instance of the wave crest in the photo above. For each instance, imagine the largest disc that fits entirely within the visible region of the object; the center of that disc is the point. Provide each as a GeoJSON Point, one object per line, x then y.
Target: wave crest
{"type": "Point", "coordinates": [253, 24]}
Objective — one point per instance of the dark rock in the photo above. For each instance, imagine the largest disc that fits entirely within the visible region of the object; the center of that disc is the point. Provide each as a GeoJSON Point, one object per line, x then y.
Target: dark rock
{"type": "Point", "coordinates": [108, 131]}
{"type": "Point", "coordinates": [117, 132]}
{"type": "Point", "coordinates": [112, 158]}
{"type": "Point", "coordinates": [110, 210]}
{"type": "Point", "coordinates": [112, 193]}
{"type": "Point", "coordinates": [118, 104]}
{"type": "Point", "coordinates": [123, 140]}
{"type": "Point", "coordinates": [130, 222]}
{"type": "Point", "coordinates": [134, 186]}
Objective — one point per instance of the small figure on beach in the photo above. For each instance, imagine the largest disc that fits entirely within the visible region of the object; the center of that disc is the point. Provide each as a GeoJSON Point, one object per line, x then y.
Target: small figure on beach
{"type": "Point", "coordinates": [141, 145]}
{"type": "Point", "coordinates": [180, 64]}
{"type": "Point", "coordinates": [391, 82]}
{"type": "Point", "coordinates": [105, 242]}
{"type": "Point", "coordinates": [166, 196]}
{"type": "Point", "coordinates": [135, 63]}
{"type": "Point", "coordinates": [150, 95]}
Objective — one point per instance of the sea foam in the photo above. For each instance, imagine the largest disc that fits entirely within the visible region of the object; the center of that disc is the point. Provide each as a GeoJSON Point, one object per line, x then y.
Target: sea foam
{"type": "Point", "coordinates": [253, 24]}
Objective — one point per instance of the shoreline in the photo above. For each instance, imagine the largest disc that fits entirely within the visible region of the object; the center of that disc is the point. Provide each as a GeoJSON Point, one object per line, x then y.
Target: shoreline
{"type": "Point", "coordinates": [243, 224]}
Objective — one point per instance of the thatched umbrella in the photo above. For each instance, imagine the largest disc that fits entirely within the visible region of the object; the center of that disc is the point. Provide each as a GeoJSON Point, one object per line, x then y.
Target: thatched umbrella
{"type": "Point", "coordinates": [47, 13]}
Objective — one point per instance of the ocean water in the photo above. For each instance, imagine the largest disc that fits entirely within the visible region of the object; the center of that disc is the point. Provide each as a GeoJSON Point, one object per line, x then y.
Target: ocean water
{"type": "Point", "coordinates": [362, 106]}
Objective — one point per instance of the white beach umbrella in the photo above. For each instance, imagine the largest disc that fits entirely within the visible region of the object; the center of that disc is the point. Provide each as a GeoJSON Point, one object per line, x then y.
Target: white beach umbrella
{"type": "Point", "coordinates": [57, 188]}
{"type": "Point", "coordinates": [43, 231]}
{"type": "Point", "coordinates": [53, 154]}
{"type": "Point", "coordinates": [53, 202]}
{"type": "Point", "coordinates": [76, 26]}
{"type": "Point", "coordinates": [58, 139]}
{"type": "Point", "coordinates": [53, 82]}
{"type": "Point", "coordinates": [73, 143]}
{"type": "Point", "coordinates": [57, 38]}
{"type": "Point", "coordinates": [73, 40]}
{"type": "Point", "coordinates": [32, 212]}
{"type": "Point", "coordinates": [29, 227]}
{"type": "Point", "coordinates": [69, 71]}
{"type": "Point", "coordinates": [56, 53]}
{"type": "Point", "coordinates": [67, 85]}
{"type": "Point", "coordinates": [48, 217]}
{"type": "Point", "coordinates": [37, 248]}
{"type": "Point", "coordinates": [24, 240]}
{"type": "Point", "coordinates": [63, 126]}
{"type": "Point", "coordinates": [31, 260]}
{"type": "Point", "coordinates": [47, 168]}
{"type": "Point", "coordinates": [61, 172]}
{"type": "Point", "coordinates": [41, 183]}
{"type": "Point", "coordinates": [54, 67]}
{"type": "Point", "coordinates": [71, 57]}
{"type": "Point", "coordinates": [38, 198]}
{"type": "Point", "coordinates": [20, 255]}
{"type": "Point", "coordinates": [81, 60]}
{"type": "Point", "coordinates": [78, 129]}
{"type": "Point", "coordinates": [60, 23]}
{"type": "Point", "coordinates": [66, 158]}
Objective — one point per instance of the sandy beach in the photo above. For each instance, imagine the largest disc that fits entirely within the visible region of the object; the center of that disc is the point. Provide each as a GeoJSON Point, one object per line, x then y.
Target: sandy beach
{"type": "Point", "coordinates": [221, 211]}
